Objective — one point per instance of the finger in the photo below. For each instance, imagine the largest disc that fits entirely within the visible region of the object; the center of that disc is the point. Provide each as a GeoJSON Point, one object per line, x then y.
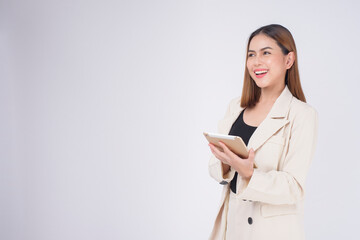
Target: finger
{"type": "Point", "coordinates": [251, 151]}
{"type": "Point", "coordinates": [214, 147]}
{"type": "Point", "coordinates": [251, 154]}
{"type": "Point", "coordinates": [226, 149]}
{"type": "Point", "coordinates": [218, 153]}
{"type": "Point", "coordinates": [220, 147]}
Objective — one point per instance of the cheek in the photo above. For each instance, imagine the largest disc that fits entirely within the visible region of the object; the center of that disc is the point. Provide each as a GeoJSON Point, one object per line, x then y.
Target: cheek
{"type": "Point", "coordinates": [276, 63]}
{"type": "Point", "coordinates": [249, 65]}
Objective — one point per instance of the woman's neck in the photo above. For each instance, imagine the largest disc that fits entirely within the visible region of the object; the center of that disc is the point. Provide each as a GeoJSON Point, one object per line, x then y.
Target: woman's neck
{"type": "Point", "coordinates": [269, 95]}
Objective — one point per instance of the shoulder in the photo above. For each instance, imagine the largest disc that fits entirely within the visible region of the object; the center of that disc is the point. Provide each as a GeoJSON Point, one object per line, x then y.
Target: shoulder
{"type": "Point", "coordinates": [234, 103]}
{"type": "Point", "coordinates": [302, 110]}
{"type": "Point", "coordinates": [233, 106]}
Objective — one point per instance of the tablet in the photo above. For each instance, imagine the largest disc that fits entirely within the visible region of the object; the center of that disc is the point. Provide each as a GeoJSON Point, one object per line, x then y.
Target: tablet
{"type": "Point", "coordinates": [234, 143]}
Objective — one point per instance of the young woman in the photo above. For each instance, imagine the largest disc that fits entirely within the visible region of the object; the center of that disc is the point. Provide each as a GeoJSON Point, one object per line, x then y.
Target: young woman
{"type": "Point", "coordinates": [280, 129]}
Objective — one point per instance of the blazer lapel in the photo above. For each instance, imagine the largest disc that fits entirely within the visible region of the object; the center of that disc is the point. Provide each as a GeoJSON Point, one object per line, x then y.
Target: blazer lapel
{"type": "Point", "coordinates": [274, 121]}
{"type": "Point", "coordinates": [264, 131]}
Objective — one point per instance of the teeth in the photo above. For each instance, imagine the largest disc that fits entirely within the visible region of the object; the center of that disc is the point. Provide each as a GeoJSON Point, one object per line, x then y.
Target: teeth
{"type": "Point", "coordinates": [261, 72]}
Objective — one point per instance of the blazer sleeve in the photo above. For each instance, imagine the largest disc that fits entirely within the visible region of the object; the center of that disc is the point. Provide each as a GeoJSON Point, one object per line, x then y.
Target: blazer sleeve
{"type": "Point", "coordinates": [287, 185]}
{"type": "Point", "coordinates": [215, 166]}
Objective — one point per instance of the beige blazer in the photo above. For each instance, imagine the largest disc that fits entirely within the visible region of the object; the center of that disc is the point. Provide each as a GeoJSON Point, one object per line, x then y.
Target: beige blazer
{"type": "Point", "coordinates": [284, 145]}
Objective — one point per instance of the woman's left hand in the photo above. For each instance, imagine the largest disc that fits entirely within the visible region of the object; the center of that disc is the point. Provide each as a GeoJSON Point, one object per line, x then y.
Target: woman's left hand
{"type": "Point", "coordinates": [244, 166]}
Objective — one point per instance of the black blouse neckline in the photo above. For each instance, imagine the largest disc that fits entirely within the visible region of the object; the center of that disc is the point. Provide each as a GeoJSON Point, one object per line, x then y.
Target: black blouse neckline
{"type": "Point", "coordinates": [242, 119]}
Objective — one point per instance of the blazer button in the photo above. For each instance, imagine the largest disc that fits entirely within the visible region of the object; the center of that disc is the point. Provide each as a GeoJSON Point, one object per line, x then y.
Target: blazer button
{"type": "Point", "coordinates": [250, 221]}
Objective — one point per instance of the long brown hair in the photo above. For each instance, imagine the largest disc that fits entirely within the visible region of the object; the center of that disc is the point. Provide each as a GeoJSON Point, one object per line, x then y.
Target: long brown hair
{"type": "Point", "coordinates": [251, 92]}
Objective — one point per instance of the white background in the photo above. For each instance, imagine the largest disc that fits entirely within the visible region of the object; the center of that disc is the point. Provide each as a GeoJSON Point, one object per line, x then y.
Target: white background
{"type": "Point", "coordinates": [103, 105]}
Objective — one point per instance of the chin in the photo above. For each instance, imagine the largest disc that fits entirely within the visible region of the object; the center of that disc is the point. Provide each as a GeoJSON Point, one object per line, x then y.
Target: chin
{"type": "Point", "coordinates": [261, 84]}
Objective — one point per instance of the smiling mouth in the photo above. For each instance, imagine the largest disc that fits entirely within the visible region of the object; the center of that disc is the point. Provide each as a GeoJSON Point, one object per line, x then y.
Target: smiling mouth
{"type": "Point", "coordinates": [261, 72]}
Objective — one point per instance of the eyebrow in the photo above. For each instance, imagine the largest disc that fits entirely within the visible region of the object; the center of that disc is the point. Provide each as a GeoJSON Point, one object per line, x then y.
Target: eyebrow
{"type": "Point", "coordinates": [260, 49]}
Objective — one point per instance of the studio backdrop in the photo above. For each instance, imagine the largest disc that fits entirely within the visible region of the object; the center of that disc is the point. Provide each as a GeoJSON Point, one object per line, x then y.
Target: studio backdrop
{"type": "Point", "coordinates": [103, 105]}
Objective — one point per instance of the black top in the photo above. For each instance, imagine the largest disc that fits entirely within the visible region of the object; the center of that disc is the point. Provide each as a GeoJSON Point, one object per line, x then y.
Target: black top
{"type": "Point", "coordinates": [241, 129]}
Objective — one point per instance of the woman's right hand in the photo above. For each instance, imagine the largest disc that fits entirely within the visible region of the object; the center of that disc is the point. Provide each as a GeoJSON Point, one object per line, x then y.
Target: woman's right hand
{"type": "Point", "coordinates": [225, 167]}
{"type": "Point", "coordinates": [244, 166]}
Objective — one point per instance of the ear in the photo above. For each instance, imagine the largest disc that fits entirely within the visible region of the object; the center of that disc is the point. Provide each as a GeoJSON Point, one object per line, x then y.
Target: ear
{"type": "Point", "coordinates": [290, 58]}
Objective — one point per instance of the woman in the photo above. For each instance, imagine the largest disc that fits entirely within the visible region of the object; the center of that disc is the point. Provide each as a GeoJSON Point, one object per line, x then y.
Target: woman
{"type": "Point", "coordinates": [280, 129]}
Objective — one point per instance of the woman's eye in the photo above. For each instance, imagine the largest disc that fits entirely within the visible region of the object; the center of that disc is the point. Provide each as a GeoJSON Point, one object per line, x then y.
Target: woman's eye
{"type": "Point", "coordinates": [266, 53]}
{"type": "Point", "coordinates": [250, 55]}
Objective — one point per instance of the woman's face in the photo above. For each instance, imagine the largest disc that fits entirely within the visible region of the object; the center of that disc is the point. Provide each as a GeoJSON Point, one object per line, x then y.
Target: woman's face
{"type": "Point", "coordinates": [266, 63]}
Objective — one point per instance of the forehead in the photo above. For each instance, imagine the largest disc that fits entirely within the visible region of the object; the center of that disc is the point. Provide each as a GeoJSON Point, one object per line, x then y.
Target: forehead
{"type": "Point", "coordinates": [260, 41]}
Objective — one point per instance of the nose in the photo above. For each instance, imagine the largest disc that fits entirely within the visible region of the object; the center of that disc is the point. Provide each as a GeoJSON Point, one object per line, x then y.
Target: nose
{"type": "Point", "coordinates": [257, 61]}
